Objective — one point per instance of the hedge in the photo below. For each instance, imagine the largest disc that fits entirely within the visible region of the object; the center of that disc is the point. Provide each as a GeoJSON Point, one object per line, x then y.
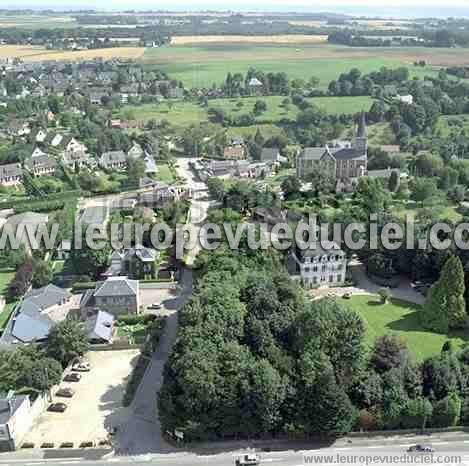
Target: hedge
{"type": "Point", "coordinates": [134, 319]}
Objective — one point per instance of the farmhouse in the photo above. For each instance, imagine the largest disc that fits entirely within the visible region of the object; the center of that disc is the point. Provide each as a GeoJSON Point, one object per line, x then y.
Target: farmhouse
{"type": "Point", "coordinates": [11, 174]}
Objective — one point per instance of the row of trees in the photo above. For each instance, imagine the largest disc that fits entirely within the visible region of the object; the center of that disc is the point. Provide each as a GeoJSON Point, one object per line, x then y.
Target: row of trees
{"type": "Point", "coordinates": [253, 356]}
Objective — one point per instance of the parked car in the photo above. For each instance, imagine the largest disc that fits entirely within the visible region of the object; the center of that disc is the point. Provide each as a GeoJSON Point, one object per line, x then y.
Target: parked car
{"type": "Point", "coordinates": [72, 377]}
{"type": "Point", "coordinates": [421, 449]}
{"type": "Point", "coordinates": [65, 392]}
{"type": "Point", "coordinates": [248, 460]}
{"type": "Point", "coordinates": [57, 407]}
{"type": "Point", "coordinates": [347, 295]}
{"type": "Point", "coordinates": [82, 367]}
{"type": "Point", "coordinates": [155, 306]}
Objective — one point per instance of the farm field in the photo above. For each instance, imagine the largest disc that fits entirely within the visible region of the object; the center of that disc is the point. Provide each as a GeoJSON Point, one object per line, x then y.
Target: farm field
{"type": "Point", "coordinates": [399, 318]}
{"type": "Point", "coordinates": [32, 53]}
{"type": "Point", "coordinates": [186, 113]}
{"type": "Point", "coordinates": [278, 39]}
{"type": "Point", "coordinates": [204, 64]}
{"type": "Point", "coordinates": [32, 21]}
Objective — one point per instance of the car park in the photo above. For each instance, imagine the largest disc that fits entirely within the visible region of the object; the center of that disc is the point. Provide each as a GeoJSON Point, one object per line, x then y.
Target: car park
{"type": "Point", "coordinates": [65, 392]}
{"type": "Point", "coordinates": [57, 407]}
{"type": "Point", "coordinates": [81, 367]}
{"type": "Point", "coordinates": [72, 377]}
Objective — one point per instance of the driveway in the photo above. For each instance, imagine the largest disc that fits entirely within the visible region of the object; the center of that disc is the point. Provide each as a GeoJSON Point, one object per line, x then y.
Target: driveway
{"type": "Point", "coordinates": [96, 405]}
{"type": "Point", "coordinates": [364, 286]}
{"type": "Point", "coordinates": [142, 431]}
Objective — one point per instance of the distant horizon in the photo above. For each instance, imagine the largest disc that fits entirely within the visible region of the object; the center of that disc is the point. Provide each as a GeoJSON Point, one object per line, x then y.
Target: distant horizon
{"type": "Point", "coordinates": [408, 10]}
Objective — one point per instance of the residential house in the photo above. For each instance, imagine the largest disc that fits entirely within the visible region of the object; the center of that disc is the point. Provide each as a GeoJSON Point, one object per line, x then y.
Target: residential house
{"type": "Point", "coordinates": [113, 160]}
{"type": "Point", "coordinates": [116, 295]}
{"type": "Point", "coordinates": [234, 153]}
{"type": "Point", "coordinates": [140, 263]}
{"type": "Point", "coordinates": [100, 327]}
{"type": "Point", "coordinates": [345, 163]}
{"type": "Point", "coordinates": [39, 311]}
{"type": "Point", "coordinates": [15, 420]}
{"type": "Point", "coordinates": [324, 264]}
{"type": "Point", "coordinates": [136, 151]}
{"type": "Point", "coordinates": [150, 164]}
{"type": "Point", "coordinates": [11, 174]}
{"type": "Point", "coordinates": [41, 136]}
{"type": "Point", "coordinates": [255, 87]}
{"type": "Point", "coordinates": [41, 165]}
{"type": "Point", "coordinates": [406, 99]}
{"type": "Point", "coordinates": [161, 194]}
{"type": "Point", "coordinates": [56, 140]}
{"type": "Point", "coordinates": [70, 144]}
{"type": "Point", "coordinates": [19, 128]}
{"type": "Point", "coordinates": [270, 155]}
{"type": "Point", "coordinates": [78, 160]}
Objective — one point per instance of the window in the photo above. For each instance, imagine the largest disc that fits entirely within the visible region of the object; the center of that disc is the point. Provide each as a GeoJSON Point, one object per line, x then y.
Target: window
{"type": "Point", "coordinates": [331, 278]}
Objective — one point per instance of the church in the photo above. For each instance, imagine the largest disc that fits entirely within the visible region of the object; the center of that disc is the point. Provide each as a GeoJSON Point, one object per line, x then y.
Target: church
{"type": "Point", "coordinates": [346, 159]}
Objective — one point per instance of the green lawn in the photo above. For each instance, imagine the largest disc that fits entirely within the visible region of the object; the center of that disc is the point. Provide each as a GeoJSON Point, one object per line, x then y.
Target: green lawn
{"type": "Point", "coordinates": [400, 318]}
{"type": "Point", "coordinates": [440, 212]}
{"type": "Point", "coordinates": [134, 333]}
{"type": "Point", "coordinates": [6, 276]}
{"type": "Point", "coordinates": [5, 314]}
{"type": "Point", "coordinates": [182, 113]}
{"type": "Point", "coordinates": [202, 65]}
{"type": "Point", "coordinates": [165, 174]}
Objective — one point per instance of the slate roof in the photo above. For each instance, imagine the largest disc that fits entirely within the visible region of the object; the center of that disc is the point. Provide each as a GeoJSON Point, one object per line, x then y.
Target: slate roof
{"type": "Point", "coordinates": [321, 248]}
{"type": "Point", "coordinates": [270, 154]}
{"type": "Point", "coordinates": [31, 322]}
{"type": "Point", "coordinates": [117, 156]}
{"type": "Point", "coordinates": [313, 153]}
{"type": "Point", "coordinates": [117, 286]}
{"type": "Point", "coordinates": [10, 169]}
{"type": "Point", "coordinates": [9, 406]}
{"type": "Point", "coordinates": [348, 154]}
{"type": "Point", "coordinates": [40, 161]}
{"type": "Point", "coordinates": [141, 253]}
{"type": "Point", "coordinates": [99, 326]}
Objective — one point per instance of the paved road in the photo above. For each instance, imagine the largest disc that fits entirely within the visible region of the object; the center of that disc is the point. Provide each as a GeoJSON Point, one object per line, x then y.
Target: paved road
{"type": "Point", "coordinates": [200, 203]}
{"type": "Point", "coordinates": [142, 433]}
{"type": "Point", "coordinates": [357, 453]}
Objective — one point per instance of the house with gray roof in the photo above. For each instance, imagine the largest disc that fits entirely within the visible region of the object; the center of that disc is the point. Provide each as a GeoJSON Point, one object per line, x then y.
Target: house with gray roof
{"type": "Point", "coordinates": [41, 165]}
{"type": "Point", "coordinates": [15, 420]}
{"type": "Point", "coordinates": [323, 264]}
{"type": "Point", "coordinates": [345, 161]}
{"type": "Point", "coordinates": [116, 295]}
{"type": "Point", "coordinates": [113, 160]}
{"type": "Point", "coordinates": [39, 311]}
{"type": "Point", "coordinates": [11, 174]}
{"type": "Point", "coordinates": [100, 327]}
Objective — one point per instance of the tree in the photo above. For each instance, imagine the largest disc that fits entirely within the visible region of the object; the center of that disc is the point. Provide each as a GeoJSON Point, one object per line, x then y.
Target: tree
{"type": "Point", "coordinates": [259, 107]}
{"type": "Point", "coordinates": [66, 341]}
{"type": "Point", "coordinates": [416, 413]}
{"type": "Point", "coordinates": [394, 181]}
{"type": "Point", "coordinates": [90, 261]}
{"type": "Point", "coordinates": [216, 188]}
{"type": "Point", "coordinates": [445, 307]}
{"type": "Point", "coordinates": [42, 273]}
{"type": "Point", "coordinates": [388, 352]}
{"type": "Point", "coordinates": [135, 171]}
{"type": "Point", "coordinates": [384, 294]}
{"type": "Point", "coordinates": [447, 412]}
{"type": "Point", "coordinates": [291, 186]}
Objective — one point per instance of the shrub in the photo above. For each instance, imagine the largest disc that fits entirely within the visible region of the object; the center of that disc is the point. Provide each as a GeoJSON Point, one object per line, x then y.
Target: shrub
{"type": "Point", "coordinates": [28, 445]}
{"type": "Point", "coordinates": [134, 319]}
{"type": "Point", "coordinates": [66, 445]}
{"type": "Point", "coordinates": [47, 445]}
{"type": "Point", "coordinates": [87, 444]}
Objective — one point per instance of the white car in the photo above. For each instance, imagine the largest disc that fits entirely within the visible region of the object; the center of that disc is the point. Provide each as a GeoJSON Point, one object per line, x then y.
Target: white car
{"type": "Point", "coordinates": [248, 460]}
{"type": "Point", "coordinates": [81, 367]}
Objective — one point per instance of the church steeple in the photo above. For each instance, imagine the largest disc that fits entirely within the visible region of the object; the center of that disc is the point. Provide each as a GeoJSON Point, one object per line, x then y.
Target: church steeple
{"type": "Point", "coordinates": [361, 130]}
{"type": "Point", "coordinates": [360, 142]}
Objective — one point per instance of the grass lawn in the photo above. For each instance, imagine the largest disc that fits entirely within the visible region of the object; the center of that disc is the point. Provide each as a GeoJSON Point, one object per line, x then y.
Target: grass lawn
{"type": "Point", "coordinates": [439, 212]}
{"type": "Point", "coordinates": [165, 174]}
{"type": "Point", "coordinates": [134, 333]}
{"type": "Point", "coordinates": [182, 113]}
{"type": "Point", "coordinates": [6, 276]}
{"type": "Point", "coordinates": [6, 314]}
{"type": "Point", "coordinates": [204, 64]}
{"type": "Point", "coordinates": [399, 318]}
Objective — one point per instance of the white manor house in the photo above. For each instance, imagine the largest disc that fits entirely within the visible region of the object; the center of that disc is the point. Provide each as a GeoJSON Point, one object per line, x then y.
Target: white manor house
{"type": "Point", "coordinates": [325, 265]}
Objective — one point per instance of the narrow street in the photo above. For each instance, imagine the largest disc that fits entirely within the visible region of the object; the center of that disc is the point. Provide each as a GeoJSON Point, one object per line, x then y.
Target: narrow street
{"type": "Point", "coordinates": [142, 433]}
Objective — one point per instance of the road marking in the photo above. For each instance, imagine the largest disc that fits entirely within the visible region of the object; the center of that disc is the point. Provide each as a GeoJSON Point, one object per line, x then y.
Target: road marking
{"type": "Point", "coordinates": [440, 443]}
{"type": "Point", "coordinates": [344, 448]}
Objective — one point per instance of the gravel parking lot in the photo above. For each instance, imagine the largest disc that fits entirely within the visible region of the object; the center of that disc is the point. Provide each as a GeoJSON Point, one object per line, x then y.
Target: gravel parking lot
{"type": "Point", "coordinates": [96, 406]}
